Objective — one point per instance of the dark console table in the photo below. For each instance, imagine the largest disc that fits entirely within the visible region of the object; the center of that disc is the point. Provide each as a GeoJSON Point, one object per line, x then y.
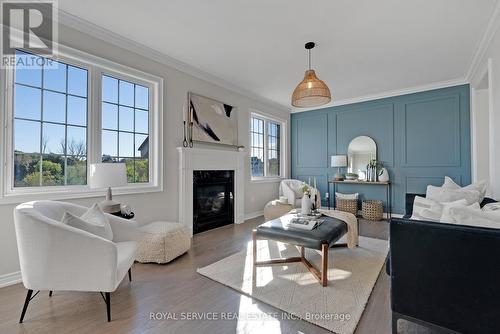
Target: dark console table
{"type": "Point", "coordinates": [387, 186]}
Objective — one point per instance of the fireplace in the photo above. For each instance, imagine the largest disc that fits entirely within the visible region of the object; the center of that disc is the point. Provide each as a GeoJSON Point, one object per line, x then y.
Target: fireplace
{"type": "Point", "coordinates": [213, 199]}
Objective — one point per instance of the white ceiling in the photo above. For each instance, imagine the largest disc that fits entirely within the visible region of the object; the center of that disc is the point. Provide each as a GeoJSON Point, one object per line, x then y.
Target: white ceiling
{"type": "Point", "coordinates": [364, 47]}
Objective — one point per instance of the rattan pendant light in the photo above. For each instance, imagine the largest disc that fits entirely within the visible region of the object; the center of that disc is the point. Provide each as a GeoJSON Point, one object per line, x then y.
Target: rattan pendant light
{"type": "Point", "coordinates": [310, 92]}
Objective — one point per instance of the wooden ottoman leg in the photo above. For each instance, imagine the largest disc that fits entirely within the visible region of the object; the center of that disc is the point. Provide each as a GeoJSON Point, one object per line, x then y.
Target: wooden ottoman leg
{"type": "Point", "coordinates": [324, 264]}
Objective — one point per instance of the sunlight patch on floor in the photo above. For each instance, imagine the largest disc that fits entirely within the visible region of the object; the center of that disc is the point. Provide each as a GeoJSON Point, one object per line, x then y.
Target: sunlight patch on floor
{"type": "Point", "coordinates": [264, 274]}
{"type": "Point", "coordinates": [253, 320]}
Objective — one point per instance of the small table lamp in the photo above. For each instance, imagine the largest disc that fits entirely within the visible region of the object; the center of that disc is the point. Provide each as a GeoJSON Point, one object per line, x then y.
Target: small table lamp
{"type": "Point", "coordinates": [108, 175]}
{"type": "Point", "coordinates": [339, 161]}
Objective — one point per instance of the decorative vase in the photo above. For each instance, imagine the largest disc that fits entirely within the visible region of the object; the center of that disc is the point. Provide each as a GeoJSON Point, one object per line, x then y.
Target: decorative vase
{"type": "Point", "coordinates": [306, 205]}
{"type": "Point", "coordinates": [383, 175]}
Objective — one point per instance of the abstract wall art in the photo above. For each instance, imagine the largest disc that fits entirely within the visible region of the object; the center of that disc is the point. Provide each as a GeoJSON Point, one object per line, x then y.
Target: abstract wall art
{"type": "Point", "coordinates": [212, 121]}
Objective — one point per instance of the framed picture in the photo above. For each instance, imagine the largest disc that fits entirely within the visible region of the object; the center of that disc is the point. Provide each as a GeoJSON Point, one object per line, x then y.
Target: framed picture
{"type": "Point", "coordinates": [213, 121]}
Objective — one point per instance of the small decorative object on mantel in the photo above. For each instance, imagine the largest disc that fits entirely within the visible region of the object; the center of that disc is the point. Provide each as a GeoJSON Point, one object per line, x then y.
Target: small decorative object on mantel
{"type": "Point", "coordinates": [351, 176]}
{"type": "Point", "coordinates": [383, 175]}
{"type": "Point", "coordinates": [372, 170]}
{"type": "Point", "coordinates": [306, 203]}
{"type": "Point", "coordinates": [339, 161]}
{"type": "Point", "coordinates": [186, 128]}
{"type": "Point", "coordinates": [212, 121]}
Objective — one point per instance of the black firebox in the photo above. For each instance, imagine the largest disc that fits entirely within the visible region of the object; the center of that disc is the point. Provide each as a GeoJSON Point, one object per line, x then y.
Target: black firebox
{"type": "Point", "coordinates": [213, 200]}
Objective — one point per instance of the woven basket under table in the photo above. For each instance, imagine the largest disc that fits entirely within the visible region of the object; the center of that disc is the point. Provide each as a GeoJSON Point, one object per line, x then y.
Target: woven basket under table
{"type": "Point", "coordinates": [347, 205]}
{"type": "Point", "coordinates": [373, 210]}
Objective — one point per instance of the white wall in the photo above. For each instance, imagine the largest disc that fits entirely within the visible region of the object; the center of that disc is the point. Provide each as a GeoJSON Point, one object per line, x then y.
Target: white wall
{"type": "Point", "coordinates": [149, 207]}
{"type": "Point", "coordinates": [481, 135]}
{"type": "Point", "coordinates": [490, 64]}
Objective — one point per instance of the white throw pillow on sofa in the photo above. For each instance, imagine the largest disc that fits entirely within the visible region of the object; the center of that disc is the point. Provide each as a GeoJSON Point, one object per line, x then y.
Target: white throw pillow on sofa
{"type": "Point", "coordinates": [446, 216]}
{"type": "Point", "coordinates": [442, 195]}
{"type": "Point", "coordinates": [440, 211]}
{"type": "Point", "coordinates": [419, 205]}
{"type": "Point", "coordinates": [480, 186]}
{"type": "Point", "coordinates": [93, 221]}
{"type": "Point", "coordinates": [475, 217]}
{"type": "Point", "coordinates": [450, 184]}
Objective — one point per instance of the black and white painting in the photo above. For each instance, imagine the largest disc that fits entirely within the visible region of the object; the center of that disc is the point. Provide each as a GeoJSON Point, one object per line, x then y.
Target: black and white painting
{"type": "Point", "coordinates": [213, 121]}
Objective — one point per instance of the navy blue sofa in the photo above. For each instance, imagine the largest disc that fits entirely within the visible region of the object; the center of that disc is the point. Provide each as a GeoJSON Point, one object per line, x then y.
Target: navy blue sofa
{"type": "Point", "coordinates": [445, 276]}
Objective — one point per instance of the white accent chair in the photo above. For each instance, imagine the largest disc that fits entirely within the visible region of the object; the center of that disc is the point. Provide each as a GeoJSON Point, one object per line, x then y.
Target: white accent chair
{"type": "Point", "coordinates": [57, 257]}
{"type": "Point", "coordinates": [292, 189]}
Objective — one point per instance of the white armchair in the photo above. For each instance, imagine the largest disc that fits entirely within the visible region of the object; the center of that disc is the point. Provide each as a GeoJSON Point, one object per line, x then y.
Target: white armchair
{"type": "Point", "coordinates": [55, 256]}
{"type": "Point", "coordinates": [292, 190]}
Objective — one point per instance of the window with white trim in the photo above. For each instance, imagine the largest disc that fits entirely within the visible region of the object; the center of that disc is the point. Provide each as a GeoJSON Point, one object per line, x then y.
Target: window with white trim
{"type": "Point", "coordinates": [50, 125]}
{"type": "Point", "coordinates": [74, 110]}
{"type": "Point", "coordinates": [265, 147]}
{"type": "Point", "coordinates": [125, 126]}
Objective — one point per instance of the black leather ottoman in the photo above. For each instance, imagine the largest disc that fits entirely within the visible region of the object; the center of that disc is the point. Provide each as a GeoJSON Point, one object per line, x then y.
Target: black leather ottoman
{"type": "Point", "coordinates": [321, 238]}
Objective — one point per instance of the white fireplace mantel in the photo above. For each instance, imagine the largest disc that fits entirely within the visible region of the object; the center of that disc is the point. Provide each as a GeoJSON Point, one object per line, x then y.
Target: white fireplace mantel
{"type": "Point", "coordinates": [191, 159]}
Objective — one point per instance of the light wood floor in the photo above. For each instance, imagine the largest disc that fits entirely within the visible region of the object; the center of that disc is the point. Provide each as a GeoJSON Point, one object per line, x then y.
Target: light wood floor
{"type": "Point", "coordinates": [176, 288]}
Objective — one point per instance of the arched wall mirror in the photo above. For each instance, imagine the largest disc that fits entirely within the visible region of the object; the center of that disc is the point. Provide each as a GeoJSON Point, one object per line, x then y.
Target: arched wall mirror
{"type": "Point", "coordinates": [360, 151]}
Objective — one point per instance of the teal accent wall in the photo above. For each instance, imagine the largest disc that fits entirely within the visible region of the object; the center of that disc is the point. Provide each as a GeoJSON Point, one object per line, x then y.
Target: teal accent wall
{"type": "Point", "coordinates": [420, 138]}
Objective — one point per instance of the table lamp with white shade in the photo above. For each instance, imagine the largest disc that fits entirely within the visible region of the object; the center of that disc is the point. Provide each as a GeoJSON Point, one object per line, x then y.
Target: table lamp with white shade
{"type": "Point", "coordinates": [107, 175]}
{"type": "Point", "coordinates": [339, 161]}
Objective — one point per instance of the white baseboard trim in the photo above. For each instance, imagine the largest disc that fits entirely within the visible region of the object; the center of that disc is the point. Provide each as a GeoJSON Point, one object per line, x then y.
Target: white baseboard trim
{"type": "Point", "coordinates": [10, 279]}
{"type": "Point", "coordinates": [255, 214]}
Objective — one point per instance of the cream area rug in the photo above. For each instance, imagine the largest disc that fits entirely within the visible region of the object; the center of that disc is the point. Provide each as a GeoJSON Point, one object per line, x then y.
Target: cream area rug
{"type": "Point", "coordinates": [292, 288]}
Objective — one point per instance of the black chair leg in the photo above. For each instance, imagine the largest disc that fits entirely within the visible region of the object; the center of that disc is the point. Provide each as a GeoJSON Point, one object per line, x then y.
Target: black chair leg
{"type": "Point", "coordinates": [25, 307]}
{"type": "Point", "coordinates": [130, 274]}
{"type": "Point", "coordinates": [50, 293]}
{"type": "Point", "coordinates": [108, 305]}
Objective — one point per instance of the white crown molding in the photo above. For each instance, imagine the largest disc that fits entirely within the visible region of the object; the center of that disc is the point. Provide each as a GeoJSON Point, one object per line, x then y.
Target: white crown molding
{"type": "Point", "coordinates": [118, 40]}
{"type": "Point", "coordinates": [392, 93]}
{"type": "Point", "coordinates": [10, 279]}
{"type": "Point", "coordinates": [484, 43]}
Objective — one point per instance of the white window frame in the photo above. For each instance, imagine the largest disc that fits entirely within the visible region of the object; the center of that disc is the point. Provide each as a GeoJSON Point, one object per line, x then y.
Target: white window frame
{"type": "Point", "coordinates": [282, 151]}
{"type": "Point", "coordinates": [96, 67]}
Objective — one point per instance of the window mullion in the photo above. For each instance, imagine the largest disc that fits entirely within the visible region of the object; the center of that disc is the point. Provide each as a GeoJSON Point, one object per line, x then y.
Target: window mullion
{"type": "Point", "coordinates": [41, 125]}
{"type": "Point", "coordinates": [94, 117]}
{"type": "Point", "coordinates": [266, 161]}
{"type": "Point", "coordinates": [66, 130]}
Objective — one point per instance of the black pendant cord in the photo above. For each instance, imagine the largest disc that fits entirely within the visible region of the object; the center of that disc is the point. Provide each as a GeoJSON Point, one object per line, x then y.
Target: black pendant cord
{"type": "Point", "coordinates": [309, 46]}
{"type": "Point", "coordinates": [309, 59]}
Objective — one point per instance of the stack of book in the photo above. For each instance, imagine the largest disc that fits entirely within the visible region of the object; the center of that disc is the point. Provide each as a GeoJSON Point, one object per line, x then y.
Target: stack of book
{"type": "Point", "coordinates": [301, 222]}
